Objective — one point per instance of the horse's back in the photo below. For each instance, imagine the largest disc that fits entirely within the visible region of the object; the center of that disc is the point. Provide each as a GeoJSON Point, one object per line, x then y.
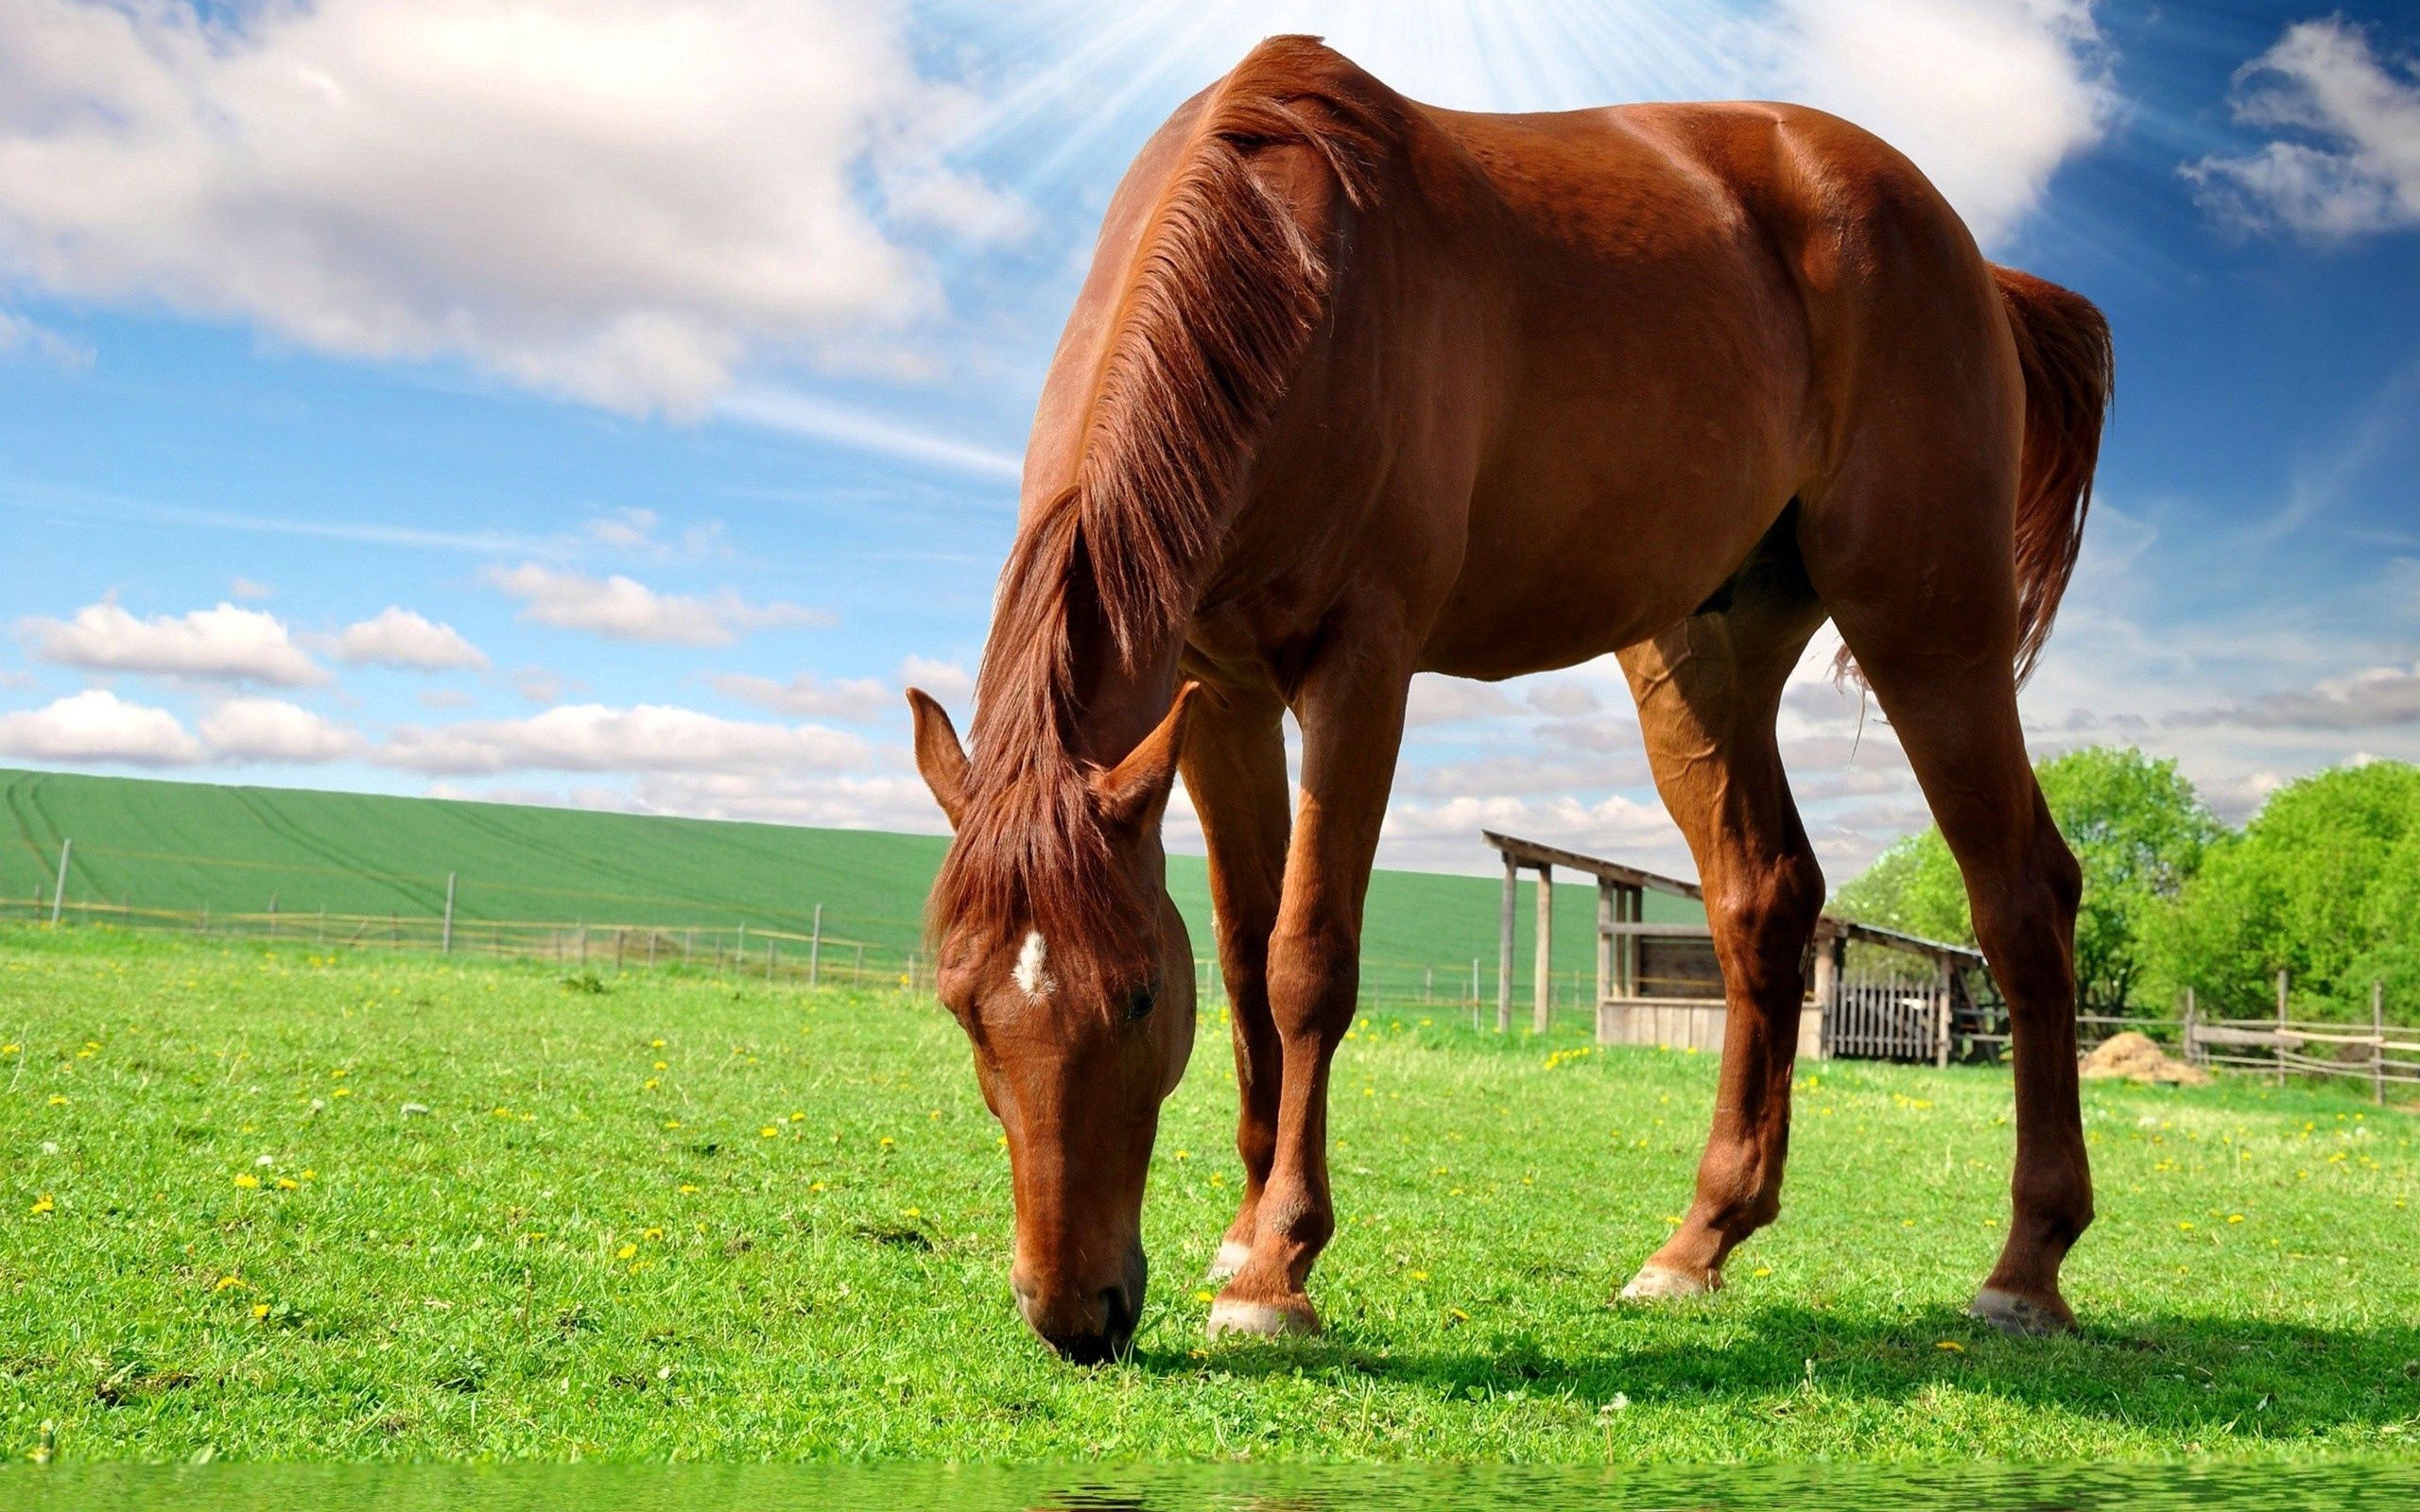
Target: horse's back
{"type": "Point", "coordinates": [1706, 303]}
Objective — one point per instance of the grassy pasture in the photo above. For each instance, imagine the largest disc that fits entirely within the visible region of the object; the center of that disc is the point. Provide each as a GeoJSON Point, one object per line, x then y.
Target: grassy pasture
{"type": "Point", "coordinates": [186, 845]}
{"type": "Point", "coordinates": [661, 1216]}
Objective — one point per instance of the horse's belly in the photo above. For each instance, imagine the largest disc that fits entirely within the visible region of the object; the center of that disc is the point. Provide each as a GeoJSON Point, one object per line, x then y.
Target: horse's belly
{"type": "Point", "coordinates": [1572, 561]}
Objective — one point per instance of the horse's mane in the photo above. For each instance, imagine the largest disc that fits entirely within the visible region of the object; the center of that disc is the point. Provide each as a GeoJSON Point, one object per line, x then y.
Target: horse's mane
{"type": "Point", "coordinates": [1225, 290]}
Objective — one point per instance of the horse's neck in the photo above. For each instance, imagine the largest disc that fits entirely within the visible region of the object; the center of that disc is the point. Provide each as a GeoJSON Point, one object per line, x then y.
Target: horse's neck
{"type": "Point", "coordinates": [1110, 703]}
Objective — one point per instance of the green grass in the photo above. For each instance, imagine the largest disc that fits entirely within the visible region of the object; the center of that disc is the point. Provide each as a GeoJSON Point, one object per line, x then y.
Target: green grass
{"type": "Point", "coordinates": [559, 1259]}
{"type": "Point", "coordinates": [185, 846]}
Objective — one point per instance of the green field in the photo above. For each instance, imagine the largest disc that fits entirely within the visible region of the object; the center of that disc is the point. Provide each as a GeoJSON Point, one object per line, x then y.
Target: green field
{"type": "Point", "coordinates": [669, 1216]}
{"type": "Point", "coordinates": [187, 846]}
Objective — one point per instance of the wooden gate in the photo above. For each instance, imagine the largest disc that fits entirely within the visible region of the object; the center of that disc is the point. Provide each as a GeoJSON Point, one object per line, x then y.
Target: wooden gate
{"type": "Point", "coordinates": [1883, 1017]}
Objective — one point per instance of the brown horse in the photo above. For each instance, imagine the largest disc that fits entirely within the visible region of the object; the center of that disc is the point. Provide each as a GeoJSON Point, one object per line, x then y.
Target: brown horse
{"type": "Point", "coordinates": [1357, 388]}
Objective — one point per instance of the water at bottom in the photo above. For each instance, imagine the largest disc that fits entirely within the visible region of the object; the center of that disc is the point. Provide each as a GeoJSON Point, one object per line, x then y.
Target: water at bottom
{"type": "Point", "coordinates": [2345, 1486]}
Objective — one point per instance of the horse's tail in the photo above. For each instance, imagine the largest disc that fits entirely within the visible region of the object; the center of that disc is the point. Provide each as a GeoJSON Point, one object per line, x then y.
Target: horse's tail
{"type": "Point", "coordinates": [2063, 345]}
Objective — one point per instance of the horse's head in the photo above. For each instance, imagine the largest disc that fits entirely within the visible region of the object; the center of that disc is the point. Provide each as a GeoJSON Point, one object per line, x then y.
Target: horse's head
{"type": "Point", "coordinates": [1062, 957]}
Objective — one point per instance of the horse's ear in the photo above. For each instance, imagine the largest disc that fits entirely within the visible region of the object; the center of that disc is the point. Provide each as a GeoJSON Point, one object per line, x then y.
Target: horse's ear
{"type": "Point", "coordinates": [1134, 792]}
{"type": "Point", "coordinates": [938, 755]}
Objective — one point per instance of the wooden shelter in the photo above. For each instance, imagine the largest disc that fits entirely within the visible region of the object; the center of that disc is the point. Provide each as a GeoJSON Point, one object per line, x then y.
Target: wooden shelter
{"type": "Point", "coordinates": [1658, 982]}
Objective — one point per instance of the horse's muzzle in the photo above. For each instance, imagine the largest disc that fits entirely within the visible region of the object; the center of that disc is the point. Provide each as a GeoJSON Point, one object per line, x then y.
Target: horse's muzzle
{"type": "Point", "coordinates": [1086, 1327]}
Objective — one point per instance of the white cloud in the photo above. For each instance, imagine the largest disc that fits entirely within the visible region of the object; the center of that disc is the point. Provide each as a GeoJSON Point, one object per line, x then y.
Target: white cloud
{"type": "Point", "coordinates": [17, 333]}
{"type": "Point", "coordinates": [98, 726]}
{"type": "Point", "coordinates": [628, 529]}
{"type": "Point", "coordinates": [2371, 699]}
{"type": "Point", "coordinates": [945, 680]}
{"type": "Point", "coordinates": [2362, 171]}
{"type": "Point", "coordinates": [1987, 96]}
{"type": "Point", "coordinates": [1435, 699]}
{"type": "Point", "coordinates": [400, 638]}
{"type": "Point", "coordinates": [226, 644]}
{"type": "Point", "coordinates": [842, 802]}
{"type": "Point", "coordinates": [627, 609]}
{"type": "Point", "coordinates": [797, 413]}
{"type": "Point", "coordinates": [615, 199]}
{"type": "Point", "coordinates": [1445, 836]}
{"type": "Point", "coordinates": [271, 730]}
{"type": "Point", "coordinates": [246, 588]}
{"type": "Point", "coordinates": [651, 737]}
{"type": "Point", "coordinates": [809, 697]}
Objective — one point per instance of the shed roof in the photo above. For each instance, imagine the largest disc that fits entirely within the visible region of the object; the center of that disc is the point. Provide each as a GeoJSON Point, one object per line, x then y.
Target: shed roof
{"type": "Point", "coordinates": [1536, 854]}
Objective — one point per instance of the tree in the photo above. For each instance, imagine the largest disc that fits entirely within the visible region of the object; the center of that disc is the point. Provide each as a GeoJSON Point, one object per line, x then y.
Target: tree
{"type": "Point", "coordinates": [2136, 825]}
{"type": "Point", "coordinates": [2323, 883]}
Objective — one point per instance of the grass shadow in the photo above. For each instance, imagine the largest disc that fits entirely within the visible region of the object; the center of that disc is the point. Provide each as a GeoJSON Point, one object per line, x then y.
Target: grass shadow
{"type": "Point", "coordinates": [2185, 1372]}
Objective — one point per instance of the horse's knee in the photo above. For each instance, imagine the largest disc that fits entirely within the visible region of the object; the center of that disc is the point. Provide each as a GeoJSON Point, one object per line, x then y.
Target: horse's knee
{"type": "Point", "coordinates": [1764, 916]}
{"type": "Point", "coordinates": [2026, 923]}
{"type": "Point", "coordinates": [1314, 978]}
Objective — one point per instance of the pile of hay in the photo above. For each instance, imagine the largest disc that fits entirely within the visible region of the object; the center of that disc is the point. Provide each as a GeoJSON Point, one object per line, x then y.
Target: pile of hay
{"type": "Point", "coordinates": [2134, 1056]}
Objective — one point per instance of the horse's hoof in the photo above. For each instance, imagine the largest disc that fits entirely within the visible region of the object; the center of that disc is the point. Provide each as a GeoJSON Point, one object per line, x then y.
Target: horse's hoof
{"type": "Point", "coordinates": [1660, 1283]}
{"type": "Point", "coordinates": [2021, 1318]}
{"type": "Point", "coordinates": [1262, 1320]}
{"type": "Point", "coordinates": [1230, 1258]}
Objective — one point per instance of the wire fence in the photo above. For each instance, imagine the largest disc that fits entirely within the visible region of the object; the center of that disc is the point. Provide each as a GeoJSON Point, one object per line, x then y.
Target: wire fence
{"type": "Point", "coordinates": [815, 956]}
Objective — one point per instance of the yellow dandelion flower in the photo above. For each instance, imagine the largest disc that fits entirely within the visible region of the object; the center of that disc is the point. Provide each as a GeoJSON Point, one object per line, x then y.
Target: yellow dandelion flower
{"type": "Point", "coordinates": [56, 1101]}
{"type": "Point", "coordinates": [688, 1189]}
{"type": "Point", "coordinates": [768, 1131]}
{"type": "Point", "coordinates": [260, 1311]}
{"type": "Point", "coordinates": [649, 1085]}
{"type": "Point", "coordinates": [287, 1183]}
{"type": "Point", "coordinates": [42, 1204]}
{"type": "Point", "coordinates": [248, 1181]}
{"type": "Point", "coordinates": [2234, 1217]}
{"type": "Point", "coordinates": [798, 1118]}
{"type": "Point", "coordinates": [655, 1044]}
{"type": "Point", "coordinates": [2186, 1224]}
{"type": "Point", "coordinates": [663, 1066]}
{"type": "Point", "coordinates": [1204, 1296]}
{"type": "Point", "coordinates": [626, 1251]}
{"type": "Point", "coordinates": [888, 1142]}
{"type": "Point", "coordinates": [228, 1283]}
{"type": "Point", "coordinates": [1952, 1346]}
{"type": "Point", "coordinates": [671, 1123]}
{"type": "Point", "coordinates": [342, 1091]}
{"type": "Point", "coordinates": [651, 1233]}
{"type": "Point", "coordinates": [309, 1175]}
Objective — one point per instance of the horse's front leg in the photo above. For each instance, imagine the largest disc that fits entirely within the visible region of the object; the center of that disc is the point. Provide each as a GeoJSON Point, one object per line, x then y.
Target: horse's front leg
{"type": "Point", "coordinates": [1351, 708]}
{"type": "Point", "coordinates": [1234, 770]}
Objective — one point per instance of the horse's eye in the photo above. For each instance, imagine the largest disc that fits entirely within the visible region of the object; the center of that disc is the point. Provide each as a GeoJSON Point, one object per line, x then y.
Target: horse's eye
{"type": "Point", "coordinates": [1139, 1002]}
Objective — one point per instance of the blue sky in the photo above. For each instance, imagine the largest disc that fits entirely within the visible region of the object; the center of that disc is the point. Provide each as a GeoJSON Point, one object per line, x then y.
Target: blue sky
{"type": "Point", "coordinates": [615, 403]}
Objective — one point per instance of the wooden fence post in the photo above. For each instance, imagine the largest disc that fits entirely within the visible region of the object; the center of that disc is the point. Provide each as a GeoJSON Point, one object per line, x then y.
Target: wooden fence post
{"type": "Point", "coordinates": [1605, 943]}
{"type": "Point", "coordinates": [2187, 1048]}
{"type": "Point", "coordinates": [815, 950]}
{"type": "Point", "coordinates": [1941, 1014]}
{"type": "Point", "coordinates": [2281, 1026]}
{"type": "Point", "coordinates": [445, 940]}
{"type": "Point", "coordinates": [1542, 986]}
{"type": "Point", "coordinates": [2377, 1046]}
{"type": "Point", "coordinates": [59, 888]}
{"type": "Point", "coordinates": [1504, 945]}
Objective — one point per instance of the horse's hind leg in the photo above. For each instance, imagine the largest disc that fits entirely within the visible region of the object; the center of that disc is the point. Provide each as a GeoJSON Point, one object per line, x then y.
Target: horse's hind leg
{"type": "Point", "coordinates": [1235, 771]}
{"type": "Point", "coordinates": [1707, 691]}
{"type": "Point", "coordinates": [1929, 608]}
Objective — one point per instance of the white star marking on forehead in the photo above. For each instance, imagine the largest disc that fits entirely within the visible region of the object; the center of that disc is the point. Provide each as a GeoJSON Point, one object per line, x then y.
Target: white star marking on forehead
{"type": "Point", "coordinates": [1029, 972]}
